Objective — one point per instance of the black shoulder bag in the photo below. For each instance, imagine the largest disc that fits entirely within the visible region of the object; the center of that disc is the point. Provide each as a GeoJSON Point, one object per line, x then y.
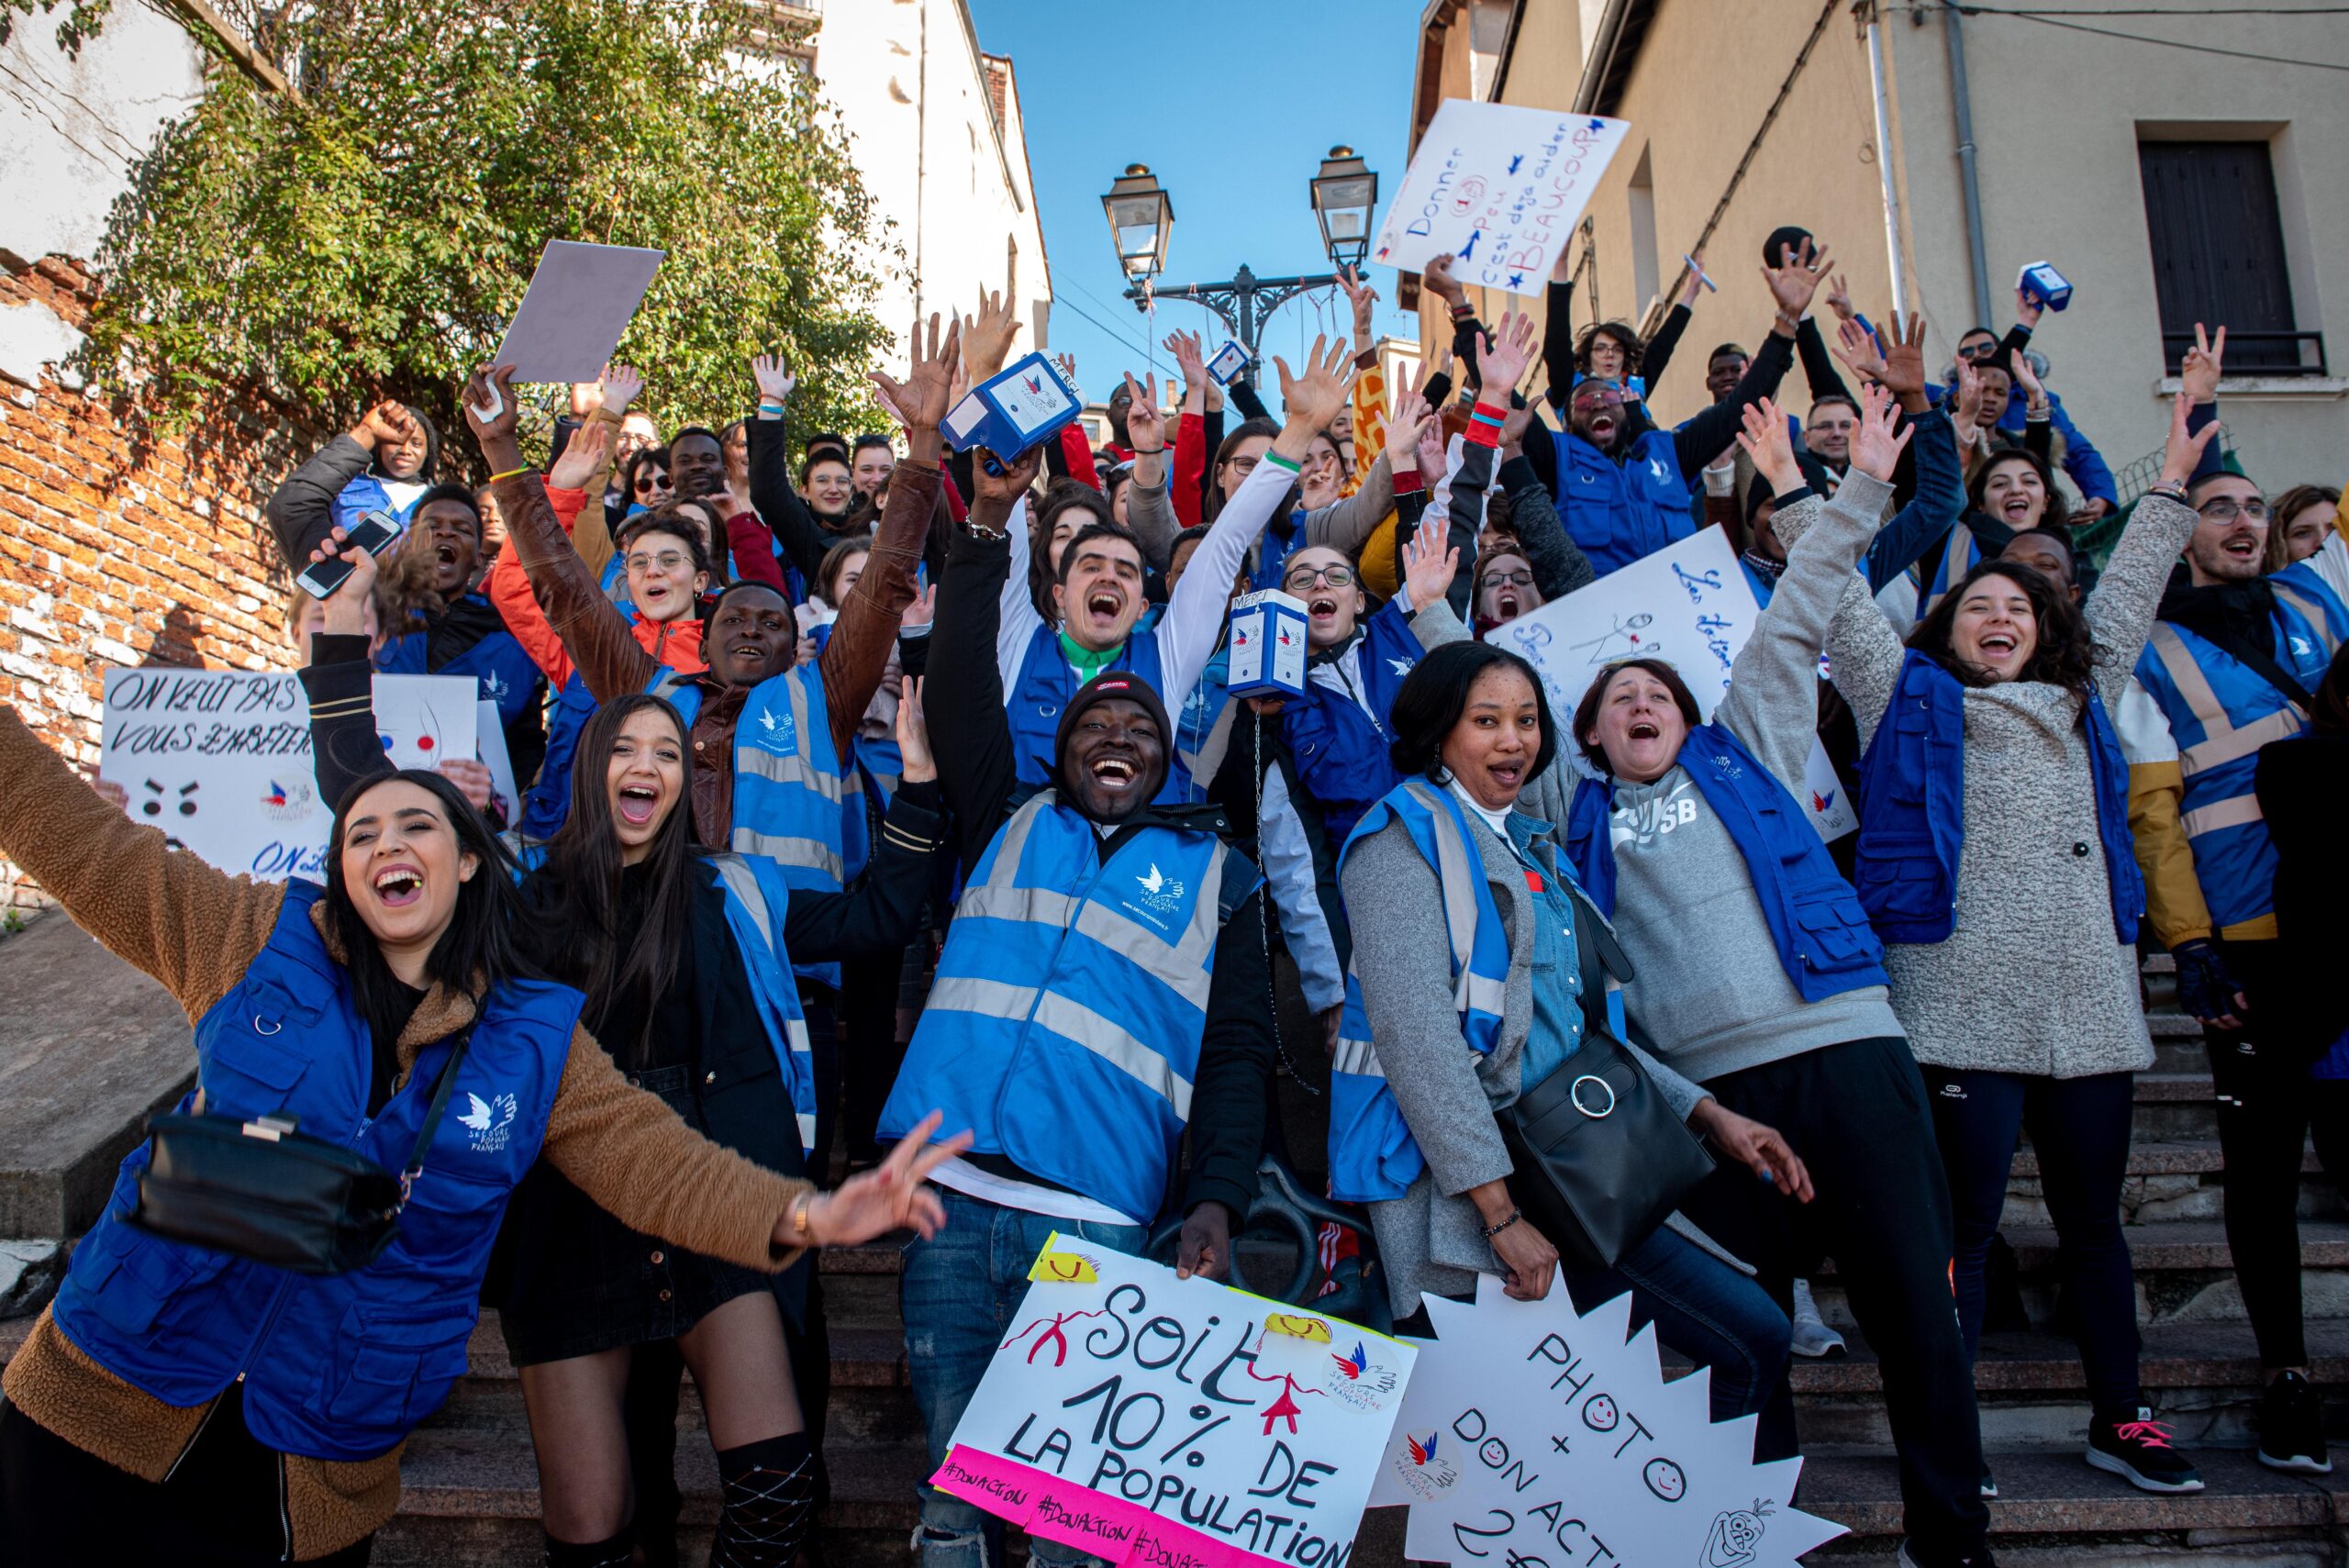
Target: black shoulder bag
{"type": "Point", "coordinates": [266, 1193]}
{"type": "Point", "coordinates": [1602, 1157]}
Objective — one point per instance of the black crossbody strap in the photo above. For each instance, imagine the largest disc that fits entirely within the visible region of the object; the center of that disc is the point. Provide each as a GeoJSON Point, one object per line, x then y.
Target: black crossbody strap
{"type": "Point", "coordinates": [440, 1094]}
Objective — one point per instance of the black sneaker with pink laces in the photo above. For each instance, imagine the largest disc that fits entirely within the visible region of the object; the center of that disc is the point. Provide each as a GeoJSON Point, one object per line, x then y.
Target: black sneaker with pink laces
{"type": "Point", "coordinates": [2137, 1448]}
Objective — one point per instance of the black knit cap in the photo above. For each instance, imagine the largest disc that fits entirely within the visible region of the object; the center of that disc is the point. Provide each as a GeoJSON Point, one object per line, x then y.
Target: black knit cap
{"type": "Point", "coordinates": [1103, 686]}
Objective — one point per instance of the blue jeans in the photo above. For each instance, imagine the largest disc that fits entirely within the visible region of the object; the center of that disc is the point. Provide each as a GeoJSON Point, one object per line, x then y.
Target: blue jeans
{"type": "Point", "coordinates": [958, 1293]}
{"type": "Point", "coordinates": [1702, 1307]}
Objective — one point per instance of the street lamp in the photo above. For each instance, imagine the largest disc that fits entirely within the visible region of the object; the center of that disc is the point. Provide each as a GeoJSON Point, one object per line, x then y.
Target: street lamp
{"type": "Point", "coordinates": [1140, 216]}
{"type": "Point", "coordinates": [1344, 192]}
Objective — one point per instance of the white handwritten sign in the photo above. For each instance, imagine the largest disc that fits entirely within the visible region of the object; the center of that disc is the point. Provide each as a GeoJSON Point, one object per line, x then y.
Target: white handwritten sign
{"type": "Point", "coordinates": [1535, 1434]}
{"type": "Point", "coordinates": [1177, 1423]}
{"type": "Point", "coordinates": [220, 759]}
{"type": "Point", "coordinates": [1689, 604]}
{"type": "Point", "coordinates": [1502, 187]}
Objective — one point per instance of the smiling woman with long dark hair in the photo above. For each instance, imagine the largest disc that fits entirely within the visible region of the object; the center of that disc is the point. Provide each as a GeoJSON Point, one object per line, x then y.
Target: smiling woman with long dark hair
{"type": "Point", "coordinates": [684, 959]}
{"type": "Point", "coordinates": [183, 1403]}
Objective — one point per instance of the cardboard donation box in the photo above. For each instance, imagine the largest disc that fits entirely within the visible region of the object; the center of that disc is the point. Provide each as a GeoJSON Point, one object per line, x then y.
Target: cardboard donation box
{"type": "Point", "coordinates": [1268, 645]}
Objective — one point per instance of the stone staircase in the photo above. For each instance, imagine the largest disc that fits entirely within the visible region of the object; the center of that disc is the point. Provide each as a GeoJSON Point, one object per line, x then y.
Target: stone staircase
{"type": "Point", "coordinates": [471, 1486]}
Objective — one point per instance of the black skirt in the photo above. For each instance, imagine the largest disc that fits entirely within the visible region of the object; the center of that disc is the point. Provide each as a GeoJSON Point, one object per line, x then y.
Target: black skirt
{"type": "Point", "coordinates": [582, 1282]}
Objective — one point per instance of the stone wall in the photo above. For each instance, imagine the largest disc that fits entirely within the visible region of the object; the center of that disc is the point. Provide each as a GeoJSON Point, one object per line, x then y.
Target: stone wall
{"type": "Point", "coordinates": [121, 544]}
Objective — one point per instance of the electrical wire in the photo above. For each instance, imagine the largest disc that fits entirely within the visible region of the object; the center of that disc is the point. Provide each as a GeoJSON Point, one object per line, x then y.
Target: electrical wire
{"type": "Point", "coordinates": [2057, 19]}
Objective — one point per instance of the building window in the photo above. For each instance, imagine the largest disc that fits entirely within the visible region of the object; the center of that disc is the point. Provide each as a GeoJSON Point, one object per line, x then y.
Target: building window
{"type": "Point", "coordinates": [2218, 244]}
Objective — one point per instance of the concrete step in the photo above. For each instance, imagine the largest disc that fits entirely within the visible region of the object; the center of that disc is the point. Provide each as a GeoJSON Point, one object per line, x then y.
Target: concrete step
{"type": "Point", "coordinates": [90, 1048]}
{"type": "Point", "coordinates": [2170, 1180]}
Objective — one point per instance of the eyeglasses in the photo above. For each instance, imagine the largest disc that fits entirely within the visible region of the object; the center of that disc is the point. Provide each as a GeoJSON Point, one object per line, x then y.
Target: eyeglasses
{"type": "Point", "coordinates": [2226, 508]}
{"type": "Point", "coordinates": [667, 561]}
{"type": "Point", "coordinates": [1514, 578]}
{"type": "Point", "coordinates": [1305, 576]}
{"type": "Point", "coordinates": [1243, 466]}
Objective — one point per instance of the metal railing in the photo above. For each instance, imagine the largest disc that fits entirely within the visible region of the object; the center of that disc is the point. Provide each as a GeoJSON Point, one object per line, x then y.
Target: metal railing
{"type": "Point", "coordinates": [2255, 353]}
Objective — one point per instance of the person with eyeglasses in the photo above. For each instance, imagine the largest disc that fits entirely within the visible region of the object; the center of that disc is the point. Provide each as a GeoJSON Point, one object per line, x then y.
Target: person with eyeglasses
{"type": "Point", "coordinates": [664, 567]}
{"type": "Point", "coordinates": [2231, 667]}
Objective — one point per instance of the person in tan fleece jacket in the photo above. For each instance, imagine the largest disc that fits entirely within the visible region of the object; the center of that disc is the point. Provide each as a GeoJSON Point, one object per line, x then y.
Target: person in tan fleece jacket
{"type": "Point", "coordinates": [87, 1460]}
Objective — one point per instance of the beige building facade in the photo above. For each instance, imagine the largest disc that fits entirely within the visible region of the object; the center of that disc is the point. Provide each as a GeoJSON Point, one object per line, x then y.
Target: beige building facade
{"type": "Point", "coordinates": [2169, 183]}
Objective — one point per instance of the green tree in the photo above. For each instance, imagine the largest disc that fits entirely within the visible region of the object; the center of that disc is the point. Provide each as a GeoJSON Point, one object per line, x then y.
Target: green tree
{"type": "Point", "coordinates": [371, 235]}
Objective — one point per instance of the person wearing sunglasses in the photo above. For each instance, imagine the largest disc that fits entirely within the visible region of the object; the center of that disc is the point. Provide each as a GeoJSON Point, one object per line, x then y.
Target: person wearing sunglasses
{"type": "Point", "coordinates": [2230, 671]}
{"type": "Point", "coordinates": [2081, 462]}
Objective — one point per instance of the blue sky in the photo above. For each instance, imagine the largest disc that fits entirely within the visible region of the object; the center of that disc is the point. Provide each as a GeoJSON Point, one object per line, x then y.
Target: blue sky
{"type": "Point", "coordinates": [1233, 106]}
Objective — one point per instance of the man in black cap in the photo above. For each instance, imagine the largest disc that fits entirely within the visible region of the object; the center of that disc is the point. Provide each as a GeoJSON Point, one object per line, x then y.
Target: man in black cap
{"type": "Point", "coordinates": [1103, 991]}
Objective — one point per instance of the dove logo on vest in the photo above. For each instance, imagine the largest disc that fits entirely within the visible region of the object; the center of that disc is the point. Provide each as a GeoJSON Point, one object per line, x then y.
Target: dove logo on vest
{"type": "Point", "coordinates": [1160, 894]}
{"type": "Point", "coordinates": [494, 686]}
{"type": "Point", "coordinates": [776, 733]}
{"type": "Point", "coordinates": [489, 1121]}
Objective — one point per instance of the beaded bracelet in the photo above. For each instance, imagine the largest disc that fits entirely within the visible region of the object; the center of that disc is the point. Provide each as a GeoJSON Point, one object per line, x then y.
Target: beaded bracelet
{"type": "Point", "coordinates": [1493, 1231]}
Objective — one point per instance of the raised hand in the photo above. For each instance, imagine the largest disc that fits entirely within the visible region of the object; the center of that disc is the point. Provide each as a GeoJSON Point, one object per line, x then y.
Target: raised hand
{"type": "Point", "coordinates": [922, 399]}
{"type": "Point", "coordinates": [1403, 423]}
{"type": "Point", "coordinates": [1690, 287]}
{"type": "Point", "coordinates": [1875, 451]}
{"type": "Point", "coordinates": [586, 396]}
{"type": "Point", "coordinates": [386, 424]}
{"type": "Point", "coordinates": [1838, 298]}
{"type": "Point", "coordinates": [1312, 400]}
{"type": "Point", "coordinates": [586, 452]}
{"type": "Point", "coordinates": [1434, 457]}
{"type": "Point", "coordinates": [1437, 279]}
{"type": "Point", "coordinates": [2034, 396]}
{"type": "Point", "coordinates": [1969, 397]}
{"type": "Point", "coordinates": [1904, 360]}
{"type": "Point", "coordinates": [1429, 563]}
{"type": "Point", "coordinates": [998, 490]}
{"type": "Point", "coordinates": [1502, 353]}
{"type": "Point", "coordinates": [1145, 426]}
{"type": "Point", "coordinates": [777, 383]}
{"type": "Point", "coordinates": [921, 610]}
{"type": "Point", "coordinates": [345, 607]}
{"type": "Point", "coordinates": [2027, 309]}
{"type": "Point", "coordinates": [1796, 278]}
{"type": "Point", "coordinates": [620, 386]}
{"type": "Point", "coordinates": [1362, 298]}
{"type": "Point", "coordinates": [1767, 442]}
{"type": "Point", "coordinates": [1067, 363]}
{"type": "Point", "coordinates": [1858, 351]}
{"type": "Point", "coordinates": [491, 407]}
{"type": "Point", "coordinates": [2198, 375]}
{"type": "Point", "coordinates": [892, 1195]}
{"type": "Point", "coordinates": [2182, 453]}
{"type": "Point", "coordinates": [986, 336]}
{"type": "Point", "coordinates": [913, 733]}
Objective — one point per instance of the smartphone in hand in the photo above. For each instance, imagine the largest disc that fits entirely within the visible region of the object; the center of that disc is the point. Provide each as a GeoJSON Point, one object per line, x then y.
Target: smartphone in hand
{"type": "Point", "coordinates": [372, 533]}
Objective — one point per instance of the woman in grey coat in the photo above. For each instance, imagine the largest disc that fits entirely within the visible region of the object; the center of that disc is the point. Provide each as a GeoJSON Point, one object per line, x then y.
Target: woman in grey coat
{"type": "Point", "coordinates": [1993, 826]}
{"type": "Point", "coordinates": [1471, 730]}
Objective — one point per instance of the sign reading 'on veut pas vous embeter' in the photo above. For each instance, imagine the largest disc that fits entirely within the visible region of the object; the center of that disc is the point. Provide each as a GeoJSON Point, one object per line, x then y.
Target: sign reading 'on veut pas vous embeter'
{"type": "Point", "coordinates": [1177, 1423]}
{"type": "Point", "coordinates": [220, 759]}
{"type": "Point", "coordinates": [1500, 187]}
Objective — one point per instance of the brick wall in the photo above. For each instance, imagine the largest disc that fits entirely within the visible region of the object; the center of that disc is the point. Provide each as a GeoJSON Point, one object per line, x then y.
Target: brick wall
{"type": "Point", "coordinates": [120, 545]}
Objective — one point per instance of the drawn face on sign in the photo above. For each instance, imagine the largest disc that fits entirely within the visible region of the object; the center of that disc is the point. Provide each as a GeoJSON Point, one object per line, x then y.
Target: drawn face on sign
{"type": "Point", "coordinates": [1469, 196]}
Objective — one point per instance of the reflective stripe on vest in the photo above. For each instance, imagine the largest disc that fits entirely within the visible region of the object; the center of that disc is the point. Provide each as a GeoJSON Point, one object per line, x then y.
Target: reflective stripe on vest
{"type": "Point", "coordinates": [1065, 1025]}
{"type": "Point", "coordinates": [1373, 1155]}
{"type": "Point", "coordinates": [335, 1367]}
{"type": "Point", "coordinates": [753, 908]}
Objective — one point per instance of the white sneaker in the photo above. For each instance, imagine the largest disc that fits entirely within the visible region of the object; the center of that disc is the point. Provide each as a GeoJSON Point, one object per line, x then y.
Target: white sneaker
{"type": "Point", "coordinates": [1812, 1337]}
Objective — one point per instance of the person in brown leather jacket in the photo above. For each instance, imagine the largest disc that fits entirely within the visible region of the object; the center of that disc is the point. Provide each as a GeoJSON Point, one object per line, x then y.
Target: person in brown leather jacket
{"type": "Point", "coordinates": [752, 635]}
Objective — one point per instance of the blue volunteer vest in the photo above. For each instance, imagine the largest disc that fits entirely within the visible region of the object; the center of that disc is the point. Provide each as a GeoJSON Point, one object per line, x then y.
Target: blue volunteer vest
{"type": "Point", "coordinates": [795, 801]}
{"type": "Point", "coordinates": [756, 902]}
{"type": "Point", "coordinates": [1195, 724]}
{"type": "Point", "coordinates": [1620, 512]}
{"type": "Point", "coordinates": [1959, 554]}
{"type": "Point", "coordinates": [1818, 926]}
{"type": "Point", "coordinates": [1912, 810]}
{"type": "Point", "coordinates": [2221, 712]}
{"type": "Point", "coordinates": [1372, 1156]}
{"type": "Point", "coordinates": [1072, 996]}
{"type": "Point", "coordinates": [509, 675]}
{"type": "Point", "coordinates": [1046, 682]}
{"type": "Point", "coordinates": [338, 1367]}
{"type": "Point", "coordinates": [547, 805]}
{"type": "Point", "coordinates": [1339, 744]}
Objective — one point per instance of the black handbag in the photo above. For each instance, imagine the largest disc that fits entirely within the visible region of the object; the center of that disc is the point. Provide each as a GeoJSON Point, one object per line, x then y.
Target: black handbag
{"type": "Point", "coordinates": [1601, 1157]}
{"type": "Point", "coordinates": [266, 1193]}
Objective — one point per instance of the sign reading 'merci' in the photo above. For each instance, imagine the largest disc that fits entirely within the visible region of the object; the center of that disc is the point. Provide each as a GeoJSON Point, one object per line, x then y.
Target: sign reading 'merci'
{"type": "Point", "coordinates": [1147, 1419]}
